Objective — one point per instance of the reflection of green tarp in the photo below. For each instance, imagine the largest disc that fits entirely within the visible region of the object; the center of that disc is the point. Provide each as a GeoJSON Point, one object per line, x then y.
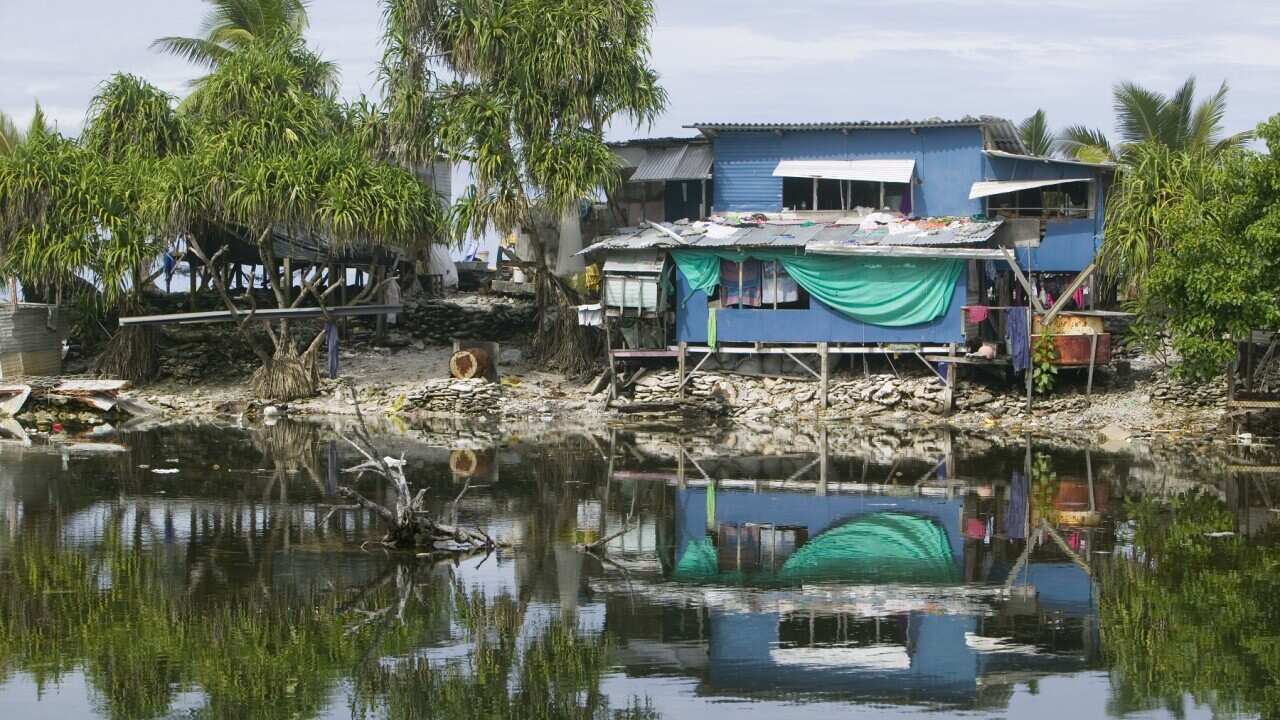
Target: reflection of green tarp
{"type": "Point", "coordinates": [698, 561]}
{"type": "Point", "coordinates": [879, 548]}
{"type": "Point", "coordinates": [890, 292]}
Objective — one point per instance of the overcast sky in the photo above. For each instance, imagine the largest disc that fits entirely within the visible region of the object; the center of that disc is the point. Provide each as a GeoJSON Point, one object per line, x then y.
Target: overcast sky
{"type": "Point", "coordinates": [753, 60]}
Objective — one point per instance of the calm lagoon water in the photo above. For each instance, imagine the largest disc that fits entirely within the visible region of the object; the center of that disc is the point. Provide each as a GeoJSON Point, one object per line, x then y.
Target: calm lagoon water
{"type": "Point", "coordinates": [205, 572]}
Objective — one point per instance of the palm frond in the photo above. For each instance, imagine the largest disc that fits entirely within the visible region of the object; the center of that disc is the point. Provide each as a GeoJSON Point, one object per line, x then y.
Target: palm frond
{"type": "Point", "coordinates": [1085, 144]}
{"type": "Point", "coordinates": [1176, 121]}
{"type": "Point", "coordinates": [197, 51]}
{"type": "Point", "coordinates": [1036, 135]}
{"type": "Point", "coordinates": [1204, 129]}
{"type": "Point", "coordinates": [1140, 113]}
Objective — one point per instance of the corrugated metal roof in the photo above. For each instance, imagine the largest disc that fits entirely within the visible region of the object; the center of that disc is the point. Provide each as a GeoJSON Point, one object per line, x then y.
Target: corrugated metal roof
{"type": "Point", "coordinates": [809, 236]}
{"type": "Point", "coordinates": [687, 161]}
{"type": "Point", "coordinates": [1047, 160]}
{"type": "Point", "coordinates": [999, 187]}
{"type": "Point", "coordinates": [887, 170]}
{"type": "Point", "coordinates": [840, 125]}
{"type": "Point", "coordinates": [796, 236]}
{"type": "Point", "coordinates": [1002, 133]}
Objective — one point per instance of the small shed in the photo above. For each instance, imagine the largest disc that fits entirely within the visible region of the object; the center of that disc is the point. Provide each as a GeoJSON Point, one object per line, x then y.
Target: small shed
{"type": "Point", "coordinates": [633, 294]}
{"type": "Point", "coordinates": [30, 340]}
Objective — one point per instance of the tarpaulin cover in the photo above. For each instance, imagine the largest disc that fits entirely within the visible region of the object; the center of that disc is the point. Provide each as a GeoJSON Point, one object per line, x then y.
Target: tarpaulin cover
{"type": "Point", "coordinates": [879, 548]}
{"type": "Point", "coordinates": [884, 547]}
{"type": "Point", "coordinates": [890, 292]}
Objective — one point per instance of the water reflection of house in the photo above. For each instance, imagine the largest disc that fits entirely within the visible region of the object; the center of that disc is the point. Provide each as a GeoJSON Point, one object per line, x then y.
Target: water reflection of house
{"type": "Point", "coordinates": [851, 588]}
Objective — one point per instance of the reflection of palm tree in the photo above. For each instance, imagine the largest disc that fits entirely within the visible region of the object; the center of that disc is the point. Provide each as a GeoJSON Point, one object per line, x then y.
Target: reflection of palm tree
{"type": "Point", "coordinates": [1143, 115]}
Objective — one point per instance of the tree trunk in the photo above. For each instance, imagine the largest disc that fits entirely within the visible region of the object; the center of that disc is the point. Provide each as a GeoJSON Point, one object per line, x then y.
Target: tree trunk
{"type": "Point", "coordinates": [287, 376]}
{"type": "Point", "coordinates": [132, 353]}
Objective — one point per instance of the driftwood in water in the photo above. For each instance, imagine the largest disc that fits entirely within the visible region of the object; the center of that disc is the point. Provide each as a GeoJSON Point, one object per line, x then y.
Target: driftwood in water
{"type": "Point", "coordinates": [409, 523]}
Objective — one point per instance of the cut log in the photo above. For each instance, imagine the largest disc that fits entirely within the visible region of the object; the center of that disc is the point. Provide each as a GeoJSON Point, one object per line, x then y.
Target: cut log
{"type": "Point", "coordinates": [468, 364]}
{"type": "Point", "coordinates": [470, 463]}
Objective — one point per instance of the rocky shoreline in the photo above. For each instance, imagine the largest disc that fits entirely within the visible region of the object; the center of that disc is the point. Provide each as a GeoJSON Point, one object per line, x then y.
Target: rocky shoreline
{"type": "Point", "coordinates": [406, 378]}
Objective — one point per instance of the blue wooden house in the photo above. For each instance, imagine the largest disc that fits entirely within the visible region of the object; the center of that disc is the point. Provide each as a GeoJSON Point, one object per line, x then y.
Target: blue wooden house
{"type": "Point", "coordinates": [851, 237]}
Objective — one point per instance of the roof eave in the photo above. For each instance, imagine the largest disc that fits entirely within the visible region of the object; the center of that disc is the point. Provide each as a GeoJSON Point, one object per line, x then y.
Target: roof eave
{"type": "Point", "coordinates": [1036, 158]}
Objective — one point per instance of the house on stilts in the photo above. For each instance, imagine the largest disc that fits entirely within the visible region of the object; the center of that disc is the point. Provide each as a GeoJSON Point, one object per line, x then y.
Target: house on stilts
{"type": "Point", "coordinates": [939, 239]}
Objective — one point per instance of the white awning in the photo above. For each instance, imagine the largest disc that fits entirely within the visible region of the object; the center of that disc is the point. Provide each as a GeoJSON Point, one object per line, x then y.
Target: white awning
{"type": "Point", "coordinates": [1000, 187]}
{"type": "Point", "coordinates": [890, 171]}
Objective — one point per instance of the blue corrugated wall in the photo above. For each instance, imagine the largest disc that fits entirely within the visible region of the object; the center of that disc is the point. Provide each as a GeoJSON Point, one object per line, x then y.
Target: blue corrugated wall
{"type": "Point", "coordinates": [1069, 245]}
{"type": "Point", "coordinates": [819, 323]}
{"type": "Point", "coordinates": [948, 162]}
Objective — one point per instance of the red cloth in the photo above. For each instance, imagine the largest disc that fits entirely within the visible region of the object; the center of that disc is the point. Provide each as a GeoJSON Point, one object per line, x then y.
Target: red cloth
{"type": "Point", "coordinates": [977, 314]}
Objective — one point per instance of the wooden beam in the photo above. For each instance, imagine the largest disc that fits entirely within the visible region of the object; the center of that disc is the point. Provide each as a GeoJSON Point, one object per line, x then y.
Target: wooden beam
{"type": "Point", "coordinates": [1022, 280]}
{"type": "Point", "coordinates": [824, 380]}
{"type": "Point", "coordinates": [1066, 294]}
{"type": "Point", "coordinates": [217, 316]}
{"type": "Point", "coordinates": [909, 251]}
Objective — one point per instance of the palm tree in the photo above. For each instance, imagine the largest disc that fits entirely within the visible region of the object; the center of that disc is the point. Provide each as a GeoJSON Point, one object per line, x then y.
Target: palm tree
{"type": "Point", "coordinates": [1175, 121]}
{"type": "Point", "coordinates": [1036, 135]}
{"type": "Point", "coordinates": [534, 85]}
{"type": "Point", "coordinates": [232, 25]}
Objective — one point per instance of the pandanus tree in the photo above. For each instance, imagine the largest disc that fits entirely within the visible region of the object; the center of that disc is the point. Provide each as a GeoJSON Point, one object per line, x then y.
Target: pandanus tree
{"type": "Point", "coordinates": [73, 211]}
{"type": "Point", "coordinates": [272, 150]}
{"type": "Point", "coordinates": [20, 189]}
{"type": "Point", "coordinates": [131, 128]}
{"type": "Point", "coordinates": [522, 90]}
{"type": "Point", "coordinates": [47, 191]}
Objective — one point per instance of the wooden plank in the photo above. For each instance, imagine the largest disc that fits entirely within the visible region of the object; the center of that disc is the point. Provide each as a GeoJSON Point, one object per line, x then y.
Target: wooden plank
{"type": "Point", "coordinates": [90, 386]}
{"type": "Point", "coordinates": [1066, 295]}
{"type": "Point", "coordinates": [1022, 280]}
{"type": "Point", "coordinates": [217, 316]}
{"type": "Point", "coordinates": [645, 353]}
{"type": "Point", "coordinates": [811, 350]}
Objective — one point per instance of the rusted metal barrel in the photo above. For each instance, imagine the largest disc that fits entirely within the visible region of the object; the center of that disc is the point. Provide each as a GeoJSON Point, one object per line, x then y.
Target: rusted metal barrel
{"type": "Point", "coordinates": [472, 363]}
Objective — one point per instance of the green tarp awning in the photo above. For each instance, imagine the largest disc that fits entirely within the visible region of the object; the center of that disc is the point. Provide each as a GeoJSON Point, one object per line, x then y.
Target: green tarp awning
{"type": "Point", "coordinates": [891, 292]}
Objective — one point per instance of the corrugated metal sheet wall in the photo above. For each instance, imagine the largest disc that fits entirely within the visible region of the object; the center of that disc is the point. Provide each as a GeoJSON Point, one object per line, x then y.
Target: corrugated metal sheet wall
{"type": "Point", "coordinates": [948, 162]}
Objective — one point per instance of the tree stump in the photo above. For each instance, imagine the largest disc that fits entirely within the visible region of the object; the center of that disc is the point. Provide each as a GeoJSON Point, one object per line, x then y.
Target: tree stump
{"type": "Point", "coordinates": [468, 364]}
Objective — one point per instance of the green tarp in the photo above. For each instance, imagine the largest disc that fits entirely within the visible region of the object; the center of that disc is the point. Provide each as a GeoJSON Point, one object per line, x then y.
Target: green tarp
{"type": "Point", "coordinates": [878, 548]}
{"type": "Point", "coordinates": [891, 292]}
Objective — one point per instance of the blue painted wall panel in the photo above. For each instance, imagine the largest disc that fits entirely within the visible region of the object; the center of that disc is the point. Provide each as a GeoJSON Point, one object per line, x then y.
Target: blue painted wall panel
{"type": "Point", "coordinates": [819, 323]}
{"type": "Point", "coordinates": [948, 162]}
{"type": "Point", "coordinates": [1068, 246]}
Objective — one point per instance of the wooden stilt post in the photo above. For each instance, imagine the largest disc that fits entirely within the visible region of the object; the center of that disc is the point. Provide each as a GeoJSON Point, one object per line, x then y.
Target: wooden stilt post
{"type": "Point", "coordinates": [949, 394]}
{"type": "Point", "coordinates": [824, 458]}
{"type": "Point", "coordinates": [680, 362]}
{"type": "Point", "coordinates": [1093, 352]}
{"type": "Point", "coordinates": [680, 476]}
{"type": "Point", "coordinates": [824, 380]}
{"type": "Point", "coordinates": [1031, 362]}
